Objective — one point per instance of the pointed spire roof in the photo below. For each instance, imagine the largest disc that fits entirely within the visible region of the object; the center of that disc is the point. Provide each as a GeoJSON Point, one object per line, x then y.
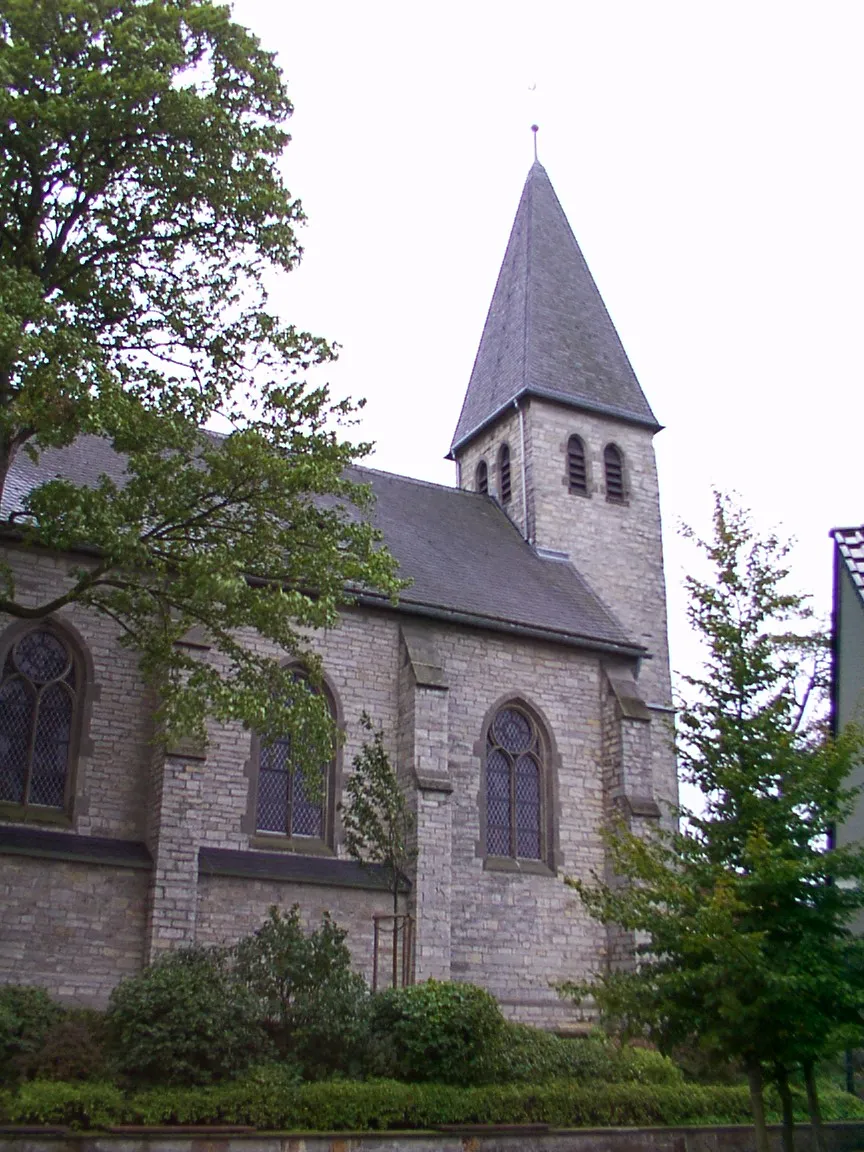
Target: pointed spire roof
{"type": "Point", "coordinates": [548, 332]}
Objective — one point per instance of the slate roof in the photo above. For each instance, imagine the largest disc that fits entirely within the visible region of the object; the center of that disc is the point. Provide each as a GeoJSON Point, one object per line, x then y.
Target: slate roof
{"type": "Point", "coordinates": [547, 332]}
{"type": "Point", "coordinates": [466, 560]}
{"type": "Point", "coordinates": [850, 545]}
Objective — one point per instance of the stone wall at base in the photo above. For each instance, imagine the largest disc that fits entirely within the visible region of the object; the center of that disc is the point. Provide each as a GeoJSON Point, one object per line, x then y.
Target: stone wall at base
{"type": "Point", "coordinates": [839, 1137]}
{"type": "Point", "coordinates": [77, 929]}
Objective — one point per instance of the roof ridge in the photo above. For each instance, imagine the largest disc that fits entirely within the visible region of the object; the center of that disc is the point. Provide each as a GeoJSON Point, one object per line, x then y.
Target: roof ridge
{"type": "Point", "coordinates": [417, 480]}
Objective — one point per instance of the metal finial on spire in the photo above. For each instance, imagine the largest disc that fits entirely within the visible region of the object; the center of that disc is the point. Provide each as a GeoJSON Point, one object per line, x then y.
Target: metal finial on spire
{"type": "Point", "coordinates": [535, 128]}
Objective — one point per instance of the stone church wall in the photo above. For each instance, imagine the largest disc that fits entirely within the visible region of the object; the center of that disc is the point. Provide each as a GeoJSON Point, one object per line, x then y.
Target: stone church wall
{"type": "Point", "coordinates": [80, 928]}
{"type": "Point", "coordinates": [77, 929]}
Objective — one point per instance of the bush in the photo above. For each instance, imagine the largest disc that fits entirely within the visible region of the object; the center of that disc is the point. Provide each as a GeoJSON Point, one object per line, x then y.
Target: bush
{"type": "Point", "coordinates": [80, 1106]}
{"type": "Point", "coordinates": [269, 1099]}
{"type": "Point", "coordinates": [525, 1054]}
{"type": "Point", "coordinates": [185, 1020]}
{"type": "Point", "coordinates": [26, 1015]}
{"type": "Point", "coordinates": [75, 1047]}
{"type": "Point", "coordinates": [435, 1031]}
{"type": "Point", "coordinates": [315, 1009]}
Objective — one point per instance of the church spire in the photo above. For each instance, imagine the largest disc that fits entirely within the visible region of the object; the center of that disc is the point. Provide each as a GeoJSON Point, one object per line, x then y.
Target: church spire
{"type": "Point", "coordinates": [548, 333]}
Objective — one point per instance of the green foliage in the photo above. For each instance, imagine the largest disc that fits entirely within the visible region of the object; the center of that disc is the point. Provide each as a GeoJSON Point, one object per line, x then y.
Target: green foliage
{"type": "Point", "coordinates": [377, 824]}
{"type": "Point", "coordinates": [75, 1047]}
{"type": "Point", "coordinates": [436, 1031]}
{"type": "Point", "coordinates": [525, 1054]}
{"type": "Point", "coordinates": [79, 1106]}
{"type": "Point", "coordinates": [745, 910]}
{"type": "Point", "coordinates": [27, 1014]}
{"type": "Point", "coordinates": [185, 1020]}
{"type": "Point", "coordinates": [313, 1006]}
{"type": "Point", "coordinates": [142, 212]}
{"type": "Point", "coordinates": [267, 1101]}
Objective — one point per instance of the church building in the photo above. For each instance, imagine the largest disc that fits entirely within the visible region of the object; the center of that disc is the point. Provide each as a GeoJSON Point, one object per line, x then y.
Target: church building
{"type": "Point", "coordinates": [522, 683]}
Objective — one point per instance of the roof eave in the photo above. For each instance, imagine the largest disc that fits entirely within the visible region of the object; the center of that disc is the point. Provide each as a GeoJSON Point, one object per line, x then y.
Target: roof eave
{"type": "Point", "coordinates": [565, 401]}
{"type": "Point", "coordinates": [498, 624]}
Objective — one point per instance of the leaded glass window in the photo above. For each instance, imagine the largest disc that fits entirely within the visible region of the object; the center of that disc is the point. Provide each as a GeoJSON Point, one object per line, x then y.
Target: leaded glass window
{"type": "Point", "coordinates": [290, 803]}
{"type": "Point", "coordinates": [514, 787]}
{"type": "Point", "coordinates": [39, 693]}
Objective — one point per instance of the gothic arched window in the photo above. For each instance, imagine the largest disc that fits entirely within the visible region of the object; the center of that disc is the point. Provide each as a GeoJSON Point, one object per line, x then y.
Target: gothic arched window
{"type": "Point", "coordinates": [40, 702]}
{"type": "Point", "coordinates": [613, 460]}
{"type": "Point", "coordinates": [290, 801]}
{"type": "Point", "coordinates": [515, 802]}
{"type": "Point", "coordinates": [504, 487]}
{"type": "Point", "coordinates": [482, 478]}
{"type": "Point", "coordinates": [577, 467]}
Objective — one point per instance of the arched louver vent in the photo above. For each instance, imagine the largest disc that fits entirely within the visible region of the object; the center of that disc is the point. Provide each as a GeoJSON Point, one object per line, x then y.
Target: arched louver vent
{"type": "Point", "coordinates": [614, 462]}
{"type": "Point", "coordinates": [577, 469]}
{"type": "Point", "coordinates": [504, 474]}
{"type": "Point", "coordinates": [482, 478]}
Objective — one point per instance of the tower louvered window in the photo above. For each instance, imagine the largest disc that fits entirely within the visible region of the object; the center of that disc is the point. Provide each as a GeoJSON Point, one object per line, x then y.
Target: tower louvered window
{"type": "Point", "coordinates": [614, 462]}
{"type": "Point", "coordinates": [39, 701]}
{"type": "Point", "coordinates": [504, 474]}
{"type": "Point", "coordinates": [482, 478]}
{"type": "Point", "coordinates": [291, 801]}
{"type": "Point", "coordinates": [577, 467]}
{"type": "Point", "coordinates": [514, 786]}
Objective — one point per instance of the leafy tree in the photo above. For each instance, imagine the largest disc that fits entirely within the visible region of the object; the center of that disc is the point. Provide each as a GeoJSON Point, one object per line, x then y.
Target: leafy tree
{"type": "Point", "coordinates": [377, 822]}
{"type": "Point", "coordinates": [744, 910]}
{"type": "Point", "coordinates": [141, 213]}
{"type": "Point", "coordinates": [312, 1003]}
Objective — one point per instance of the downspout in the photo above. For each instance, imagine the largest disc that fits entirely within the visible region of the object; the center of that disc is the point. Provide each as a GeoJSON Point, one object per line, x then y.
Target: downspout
{"type": "Point", "coordinates": [458, 472]}
{"type": "Point", "coordinates": [524, 470]}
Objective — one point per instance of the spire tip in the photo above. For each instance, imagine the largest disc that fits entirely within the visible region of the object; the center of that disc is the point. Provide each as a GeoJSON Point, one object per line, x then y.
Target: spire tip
{"type": "Point", "coordinates": [535, 128]}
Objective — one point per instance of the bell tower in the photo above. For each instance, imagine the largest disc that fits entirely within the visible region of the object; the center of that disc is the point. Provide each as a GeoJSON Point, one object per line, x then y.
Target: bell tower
{"type": "Point", "coordinates": [555, 426]}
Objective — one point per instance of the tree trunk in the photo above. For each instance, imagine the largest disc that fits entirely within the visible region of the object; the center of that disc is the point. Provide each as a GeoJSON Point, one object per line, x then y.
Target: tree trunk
{"type": "Point", "coordinates": [781, 1078]}
{"type": "Point", "coordinates": [818, 1133]}
{"type": "Point", "coordinates": [757, 1106]}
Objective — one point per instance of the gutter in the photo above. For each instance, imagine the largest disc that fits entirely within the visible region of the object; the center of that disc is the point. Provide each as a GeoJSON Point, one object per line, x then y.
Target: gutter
{"type": "Point", "coordinates": [499, 624]}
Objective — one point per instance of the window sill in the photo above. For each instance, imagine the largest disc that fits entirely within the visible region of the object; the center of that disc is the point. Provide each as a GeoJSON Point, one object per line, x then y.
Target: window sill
{"type": "Point", "coordinates": [34, 814]}
{"type": "Point", "coordinates": [300, 845]}
{"type": "Point", "coordinates": [510, 864]}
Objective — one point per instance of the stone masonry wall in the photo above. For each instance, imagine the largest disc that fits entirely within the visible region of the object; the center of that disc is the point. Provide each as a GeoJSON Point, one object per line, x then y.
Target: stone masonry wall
{"type": "Point", "coordinates": [113, 767]}
{"type": "Point", "coordinates": [513, 932]}
{"type": "Point", "coordinates": [77, 929]}
{"type": "Point", "coordinates": [617, 547]}
{"type": "Point", "coordinates": [230, 907]}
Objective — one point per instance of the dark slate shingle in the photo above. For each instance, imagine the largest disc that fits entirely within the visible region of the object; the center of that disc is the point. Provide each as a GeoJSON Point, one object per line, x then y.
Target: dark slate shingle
{"type": "Point", "coordinates": [547, 332]}
{"type": "Point", "coordinates": [459, 549]}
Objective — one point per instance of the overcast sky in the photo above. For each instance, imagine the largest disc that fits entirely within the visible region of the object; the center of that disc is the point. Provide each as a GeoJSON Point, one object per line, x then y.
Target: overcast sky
{"type": "Point", "coordinates": [708, 157]}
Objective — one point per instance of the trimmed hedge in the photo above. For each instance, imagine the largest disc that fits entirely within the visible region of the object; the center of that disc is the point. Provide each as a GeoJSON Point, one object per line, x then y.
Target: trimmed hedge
{"type": "Point", "coordinates": [270, 1100]}
{"type": "Point", "coordinates": [525, 1054]}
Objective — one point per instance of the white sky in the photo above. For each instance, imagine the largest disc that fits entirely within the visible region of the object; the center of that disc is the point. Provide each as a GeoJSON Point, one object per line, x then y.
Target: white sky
{"type": "Point", "coordinates": [708, 157]}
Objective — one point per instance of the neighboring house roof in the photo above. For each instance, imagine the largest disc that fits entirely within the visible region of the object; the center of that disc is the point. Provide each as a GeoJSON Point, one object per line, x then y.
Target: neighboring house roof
{"type": "Point", "coordinates": [548, 332]}
{"type": "Point", "coordinates": [466, 560]}
{"type": "Point", "coordinates": [850, 545]}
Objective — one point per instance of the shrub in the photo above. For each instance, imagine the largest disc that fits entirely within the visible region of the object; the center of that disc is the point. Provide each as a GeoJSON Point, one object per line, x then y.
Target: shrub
{"type": "Point", "coordinates": [80, 1106]}
{"type": "Point", "coordinates": [75, 1047]}
{"type": "Point", "coordinates": [185, 1020]}
{"type": "Point", "coordinates": [436, 1031]}
{"type": "Point", "coordinates": [314, 1008]}
{"type": "Point", "coordinates": [26, 1015]}
{"type": "Point", "coordinates": [268, 1100]}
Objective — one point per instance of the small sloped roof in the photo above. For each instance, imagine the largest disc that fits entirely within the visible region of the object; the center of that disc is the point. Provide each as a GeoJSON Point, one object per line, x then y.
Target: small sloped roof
{"type": "Point", "coordinates": [850, 545]}
{"type": "Point", "coordinates": [466, 560]}
{"type": "Point", "coordinates": [547, 332]}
